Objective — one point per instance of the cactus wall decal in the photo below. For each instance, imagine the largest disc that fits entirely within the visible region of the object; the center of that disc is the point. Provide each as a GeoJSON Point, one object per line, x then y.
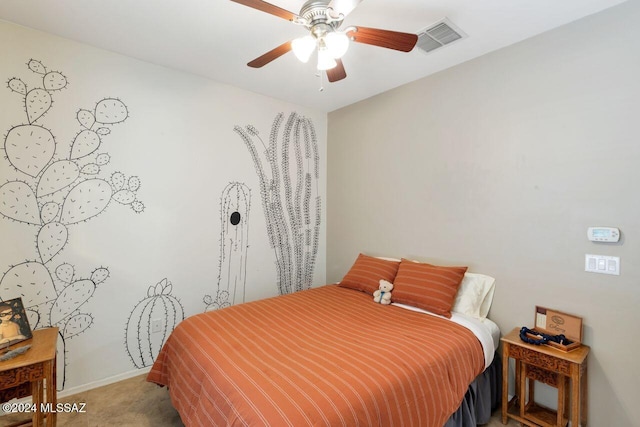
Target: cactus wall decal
{"type": "Point", "coordinates": [290, 195]}
{"type": "Point", "coordinates": [53, 193]}
{"type": "Point", "coordinates": [234, 243]}
{"type": "Point", "coordinates": [142, 344]}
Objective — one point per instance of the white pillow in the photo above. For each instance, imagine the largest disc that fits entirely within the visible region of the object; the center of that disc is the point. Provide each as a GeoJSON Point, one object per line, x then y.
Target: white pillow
{"type": "Point", "coordinates": [388, 259]}
{"type": "Point", "coordinates": [475, 295]}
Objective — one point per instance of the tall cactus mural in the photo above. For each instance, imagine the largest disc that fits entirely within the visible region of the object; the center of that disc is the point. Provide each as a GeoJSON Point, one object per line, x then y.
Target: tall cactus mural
{"type": "Point", "coordinates": [143, 343]}
{"type": "Point", "coordinates": [288, 170]}
{"type": "Point", "coordinates": [234, 243]}
{"type": "Point", "coordinates": [55, 191]}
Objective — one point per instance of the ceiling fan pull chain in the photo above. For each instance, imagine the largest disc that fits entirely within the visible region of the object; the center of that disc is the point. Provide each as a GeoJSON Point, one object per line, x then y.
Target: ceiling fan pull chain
{"type": "Point", "coordinates": [321, 89]}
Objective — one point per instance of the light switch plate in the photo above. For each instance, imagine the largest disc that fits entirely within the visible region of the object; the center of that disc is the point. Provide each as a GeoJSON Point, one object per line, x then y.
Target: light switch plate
{"type": "Point", "coordinates": [602, 264]}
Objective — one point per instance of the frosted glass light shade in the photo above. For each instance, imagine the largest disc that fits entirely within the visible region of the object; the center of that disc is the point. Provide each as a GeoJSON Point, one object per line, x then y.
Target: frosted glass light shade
{"type": "Point", "coordinates": [337, 43]}
{"type": "Point", "coordinates": [325, 60]}
{"type": "Point", "coordinates": [303, 47]}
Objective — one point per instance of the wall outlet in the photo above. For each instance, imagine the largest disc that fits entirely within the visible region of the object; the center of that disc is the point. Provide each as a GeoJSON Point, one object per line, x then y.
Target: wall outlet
{"type": "Point", "coordinates": [156, 326]}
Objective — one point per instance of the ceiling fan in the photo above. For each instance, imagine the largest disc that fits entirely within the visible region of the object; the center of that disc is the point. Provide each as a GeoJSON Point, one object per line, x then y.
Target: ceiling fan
{"type": "Point", "coordinates": [323, 19]}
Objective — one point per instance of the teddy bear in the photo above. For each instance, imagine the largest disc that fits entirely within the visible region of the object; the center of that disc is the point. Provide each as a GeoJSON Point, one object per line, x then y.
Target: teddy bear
{"type": "Point", "coordinates": [382, 295]}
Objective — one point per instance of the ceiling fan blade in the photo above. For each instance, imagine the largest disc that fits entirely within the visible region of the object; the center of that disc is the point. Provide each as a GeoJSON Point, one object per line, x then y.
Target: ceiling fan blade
{"type": "Point", "coordinates": [268, 8]}
{"type": "Point", "coordinates": [276, 53]}
{"type": "Point", "coordinates": [384, 38]}
{"type": "Point", "coordinates": [336, 73]}
{"type": "Point", "coordinates": [344, 7]}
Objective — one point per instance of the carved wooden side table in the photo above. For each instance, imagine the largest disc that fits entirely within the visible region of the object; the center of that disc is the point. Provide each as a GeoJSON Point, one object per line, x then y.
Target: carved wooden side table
{"type": "Point", "coordinates": [566, 371]}
{"type": "Point", "coordinates": [31, 373]}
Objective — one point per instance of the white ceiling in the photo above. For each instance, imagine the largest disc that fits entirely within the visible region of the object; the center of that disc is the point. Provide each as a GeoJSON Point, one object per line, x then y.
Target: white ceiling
{"type": "Point", "coordinates": [216, 38]}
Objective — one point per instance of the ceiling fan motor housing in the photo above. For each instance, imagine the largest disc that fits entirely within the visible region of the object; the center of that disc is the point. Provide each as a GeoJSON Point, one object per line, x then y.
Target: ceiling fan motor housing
{"type": "Point", "coordinates": [317, 16]}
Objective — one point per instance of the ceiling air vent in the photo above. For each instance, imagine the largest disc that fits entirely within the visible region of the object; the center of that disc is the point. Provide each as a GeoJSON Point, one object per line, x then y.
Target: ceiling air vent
{"type": "Point", "coordinates": [438, 35]}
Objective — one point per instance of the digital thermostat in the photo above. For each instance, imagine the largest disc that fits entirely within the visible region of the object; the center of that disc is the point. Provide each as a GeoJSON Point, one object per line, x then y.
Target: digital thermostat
{"type": "Point", "coordinates": [603, 234]}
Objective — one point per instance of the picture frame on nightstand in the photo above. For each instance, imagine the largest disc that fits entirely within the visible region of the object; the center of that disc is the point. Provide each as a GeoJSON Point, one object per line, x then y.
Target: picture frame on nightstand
{"type": "Point", "coordinates": [14, 325]}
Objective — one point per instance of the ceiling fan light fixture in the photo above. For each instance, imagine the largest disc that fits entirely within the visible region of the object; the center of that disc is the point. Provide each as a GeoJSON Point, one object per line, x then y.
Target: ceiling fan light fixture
{"type": "Point", "coordinates": [337, 43]}
{"type": "Point", "coordinates": [325, 60]}
{"type": "Point", "coordinates": [303, 47]}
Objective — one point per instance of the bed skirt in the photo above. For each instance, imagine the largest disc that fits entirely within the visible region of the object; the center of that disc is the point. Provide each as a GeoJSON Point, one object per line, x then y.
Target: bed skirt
{"type": "Point", "coordinates": [482, 398]}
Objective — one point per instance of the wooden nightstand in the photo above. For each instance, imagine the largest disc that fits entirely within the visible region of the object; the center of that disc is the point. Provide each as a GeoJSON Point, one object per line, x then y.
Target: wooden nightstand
{"type": "Point", "coordinates": [29, 373]}
{"type": "Point", "coordinates": [566, 371]}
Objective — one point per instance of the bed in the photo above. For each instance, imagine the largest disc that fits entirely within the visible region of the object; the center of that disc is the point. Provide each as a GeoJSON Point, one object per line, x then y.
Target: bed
{"type": "Point", "coordinates": [327, 356]}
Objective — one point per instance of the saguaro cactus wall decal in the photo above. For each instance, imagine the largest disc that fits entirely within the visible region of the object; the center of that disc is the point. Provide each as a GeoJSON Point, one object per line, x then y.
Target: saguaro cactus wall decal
{"type": "Point", "coordinates": [142, 343]}
{"type": "Point", "coordinates": [234, 243]}
{"type": "Point", "coordinates": [53, 194]}
{"type": "Point", "coordinates": [289, 171]}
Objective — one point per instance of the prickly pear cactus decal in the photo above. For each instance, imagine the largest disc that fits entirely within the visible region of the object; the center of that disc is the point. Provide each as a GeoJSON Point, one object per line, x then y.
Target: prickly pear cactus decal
{"type": "Point", "coordinates": [234, 242]}
{"type": "Point", "coordinates": [143, 343]}
{"type": "Point", "coordinates": [57, 188]}
{"type": "Point", "coordinates": [288, 170]}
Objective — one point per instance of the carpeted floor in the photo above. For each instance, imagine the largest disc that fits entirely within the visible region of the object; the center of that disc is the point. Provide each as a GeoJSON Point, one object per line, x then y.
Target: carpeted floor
{"type": "Point", "coordinates": [131, 403]}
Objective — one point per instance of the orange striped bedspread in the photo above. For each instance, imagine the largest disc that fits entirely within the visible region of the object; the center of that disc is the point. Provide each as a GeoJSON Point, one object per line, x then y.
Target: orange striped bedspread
{"type": "Point", "coordinates": [327, 356]}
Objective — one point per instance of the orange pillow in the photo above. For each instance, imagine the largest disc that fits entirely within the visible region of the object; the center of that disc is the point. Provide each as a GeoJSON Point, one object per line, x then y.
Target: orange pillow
{"type": "Point", "coordinates": [426, 286]}
{"type": "Point", "coordinates": [366, 272]}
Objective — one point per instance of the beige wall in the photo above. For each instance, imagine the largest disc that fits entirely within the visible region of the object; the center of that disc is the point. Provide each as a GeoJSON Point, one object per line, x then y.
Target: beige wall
{"type": "Point", "coordinates": [501, 164]}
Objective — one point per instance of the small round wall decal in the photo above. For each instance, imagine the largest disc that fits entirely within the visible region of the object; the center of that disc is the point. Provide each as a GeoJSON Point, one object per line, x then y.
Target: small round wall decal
{"type": "Point", "coordinates": [235, 218]}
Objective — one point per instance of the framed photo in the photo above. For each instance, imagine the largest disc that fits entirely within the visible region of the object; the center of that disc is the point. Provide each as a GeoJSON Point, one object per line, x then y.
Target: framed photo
{"type": "Point", "coordinates": [14, 325]}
